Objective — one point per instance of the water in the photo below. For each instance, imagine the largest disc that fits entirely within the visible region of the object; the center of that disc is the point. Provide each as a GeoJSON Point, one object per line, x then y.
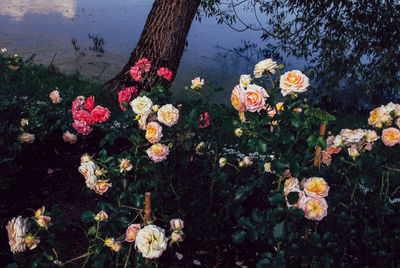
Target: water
{"type": "Point", "coordinates": [46, 28]}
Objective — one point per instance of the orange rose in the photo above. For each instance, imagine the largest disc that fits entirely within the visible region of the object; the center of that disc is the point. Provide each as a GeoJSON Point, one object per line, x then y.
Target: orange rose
{"type": "Point", "coordinates": [390, 136]}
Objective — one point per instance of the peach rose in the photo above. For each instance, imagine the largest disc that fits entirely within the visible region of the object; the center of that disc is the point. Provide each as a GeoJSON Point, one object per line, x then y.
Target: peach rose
{"type": "Point", "coordinates": [300, 203]}
{"type": "Point", "coordinates": [69, 137]}
{"type": "Point", "coordinates": [371, 136]}
{"type": "Point", "coordinates": [237, 98]}
{"type": "Point", "coordinates": [375, 117]}
{"type": "Point", "coordinates": [290, 184]}
{"type": "Point", "coordinates": [31, 241]}
{"type": "Point", "coordinates": [326, 158]}
{"type": "Point", "coordinates": [315, 208]}
{"type": "Point", "coordinates": [316, 187]}
{"type": "Point", "coordinates": [168, 115]}
{"type": "Point", "coordinates": [102, 186]}
{"type": "Point", "coordinates": [353, 151]}
{"type": "Point", "coordinates": [197, 83]}
{"type": "Point", "coordinates": [390, 136]}
{"type": "Point", "coordinates": [153, 132]}
{"type": "Point", "coordinates": [293, 82]}
{"type": "Point", "coordinates": [131, 232]}
{"type": "Point", "coordinates": [158, 152]}
{"type": "Point", "coordinates": [24, 122]}
{"type": "Point", "coordinates": [254, 98]}
{"type": "Point", "coordinates": [55, 97]}
{"type": "Point", "coordinates": [42, 221]}
{"type": "Point", "coordinates": [117, 246]}
{"type": "Point", "coordinates": [125, 165]}
{"type": "Point", "coordinates": [245, 80]}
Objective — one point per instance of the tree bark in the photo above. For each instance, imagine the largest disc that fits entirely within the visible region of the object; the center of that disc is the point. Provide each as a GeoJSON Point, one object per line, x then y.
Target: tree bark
{"type": "Point", "coordinates": [162, 42]}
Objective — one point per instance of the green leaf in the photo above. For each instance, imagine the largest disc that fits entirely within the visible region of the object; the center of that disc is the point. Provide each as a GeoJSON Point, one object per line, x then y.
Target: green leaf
{"type": "Point", "coordinates": [12, 265]}
{"type": "Point", "coordinates": [293, 198]}
{"type": "Point", "coordinates": [238, 237]}
{"type": "Point", "coordinates": [276, 198]}
{"type": "Point", "coordinates": [255, 216]}
{"type": "Point", "coordinates": [92, 230]}
{"type": "Point", "coordinates": [277, 231]}
{"type": "Point", "coordinates": [87, 216]}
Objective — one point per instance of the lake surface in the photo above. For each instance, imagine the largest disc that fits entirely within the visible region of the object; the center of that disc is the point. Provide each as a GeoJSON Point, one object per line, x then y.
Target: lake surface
{"type": "Point", "coordinates": [46, 28]}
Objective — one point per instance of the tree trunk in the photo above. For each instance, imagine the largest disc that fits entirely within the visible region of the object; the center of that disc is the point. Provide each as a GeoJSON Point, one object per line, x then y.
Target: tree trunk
{"type": "Point", "coordinates": [162, 42]}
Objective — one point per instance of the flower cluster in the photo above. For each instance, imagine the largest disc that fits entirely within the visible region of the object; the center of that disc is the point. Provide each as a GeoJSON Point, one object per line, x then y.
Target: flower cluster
{"type": "Point", "coordinates": [86, 115]}
{"type": "Point", "coordinates": [18, 236]}
{"type": "Point", "coordinates": [92, 173]}
{"type": "Point", "coordinates": [384, 117]}
{"type": "Point", "coordinates": [311, 193]}
{"type": "Point", "coordinates": [148, 114]}
{"type": "Point", "coordinates": [143, 65]}
{"type": "Point", "coordinates": [354, 140]}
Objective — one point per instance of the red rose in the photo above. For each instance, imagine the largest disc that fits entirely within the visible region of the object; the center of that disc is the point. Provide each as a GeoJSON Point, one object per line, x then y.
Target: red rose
{"type": "Point", "coordinates": [90, 104]}
{"type": "Point", "coordinates": [100, 114]}
{"type": "Point", "coordinates": [84, 116]}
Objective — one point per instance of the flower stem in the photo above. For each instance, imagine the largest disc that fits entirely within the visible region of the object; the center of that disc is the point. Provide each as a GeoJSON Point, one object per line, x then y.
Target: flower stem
{"type": "Point", "coordinates": [354, 190]}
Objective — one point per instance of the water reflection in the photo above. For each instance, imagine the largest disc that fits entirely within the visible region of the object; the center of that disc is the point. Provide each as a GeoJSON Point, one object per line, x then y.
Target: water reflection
{"type": "Point", "coordinates": [17, 9]}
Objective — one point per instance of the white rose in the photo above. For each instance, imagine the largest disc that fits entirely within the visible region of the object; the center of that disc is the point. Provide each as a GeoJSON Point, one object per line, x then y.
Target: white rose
{"type": "Point", "coordinates": [267, 65]}
{"type": "Point", "coordinates": [141, 105]}
{"type": "Point", "coordinates": [245, 80]}
{"type": "Point", "coordinates": [151, 241]}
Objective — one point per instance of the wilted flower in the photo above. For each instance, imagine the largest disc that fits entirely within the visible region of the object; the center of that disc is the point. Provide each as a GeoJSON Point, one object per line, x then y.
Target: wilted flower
{"type": "Point", "coordinates": [176, 224]}
{"type": "Point", "coordinates": [153, 132]}
{"type": "Point", "coordinates": [375, 117]}
{"type": "Point", "coordinates": [371, 136]}
{"type": "Point", "coordinates": [26, 138]}
{"type": "Point", "coordinates": [316, 187]}
{"type": "Point", "coordinates": [17, 229]}
{"type": "Point", "coordinates": [390, 136]}
{"type": "Point", "coordinates": [87, 168]}
{"type": "Point", "coordinates": [125, 165]}
{"type": "Point", "coordinates": [264, 66]}
{"type": "Point", "coordinates": [151, 241]}
{"type": "Point", "coordinates": [39, 212]}
{"type": "Point", "coordinates": [326, 158]}
{"type": "Point", "coordinates": [315, 208]}
{"type": "Point", "coordinates": [101, 216]}
{"type": "Point", "coordinates": [199, 148]}
{"type": "Point", "coordinates": [158, 152]}
{"type": "Point", "coordinates": [31, 241]}
{"type": "Point", "coordinates": [293, 82]}
{"type": "Point", "coordinates": [141, 105]}
{"type": "Point", "coordinates": [290, 185]}
{"type": "Point", "coordinates": [86, 158]}
{"type": "Point", "coordinates": [24, 122]}
{"type": "Point", "coordinates": [69, 137]}
{"type": "Point", "coordinates": [55, 97]}
{"type": "Point", "coordinates": [131, 232]}
{"type": "Point", "coordinates": [156, 108]}
{"type": "Point", "coordinates": [197, 83]}
{"type": "Point", "coordinates": [168, 115]}
{"type": "Point", "coordinates": [222, 161]}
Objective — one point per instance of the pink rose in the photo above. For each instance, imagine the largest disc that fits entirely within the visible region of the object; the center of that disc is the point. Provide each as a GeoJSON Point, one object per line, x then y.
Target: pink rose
{"type": "Point", "coordinates": [254, 98]}
{"type": "Point", "coordinates": [100, 114]}
{"type": "Point", "coordinates": [315, 208]}
{"type": "Point", "coordinates": [136, 74]}
{"type": "Point", "coordinates": [158, 152]}
{"type": "Point", "coordinates": [125, 96]}
{"type": "Point", "coordinates": [326, 158]}
{"type": "Point", "coordinates": [176, 224]}
{"type": "Point", "coordinates": [165, 72]}
{"type": "Point", "coordinates": [237, 98]}
{"type": "Point", "coordinates": [69, 137]}
{"type": "Point", "coordinates": [82, 127]}
{"type": "Point", "coordinates": [77, 105]}
{"type": "Point", "coordinates": [390, 136]}
{"type": "Point", "coordinates": [290, 185]}
{"type": "Point", "coordinates": [85, 116]}
{"type": "Point", "coordinates": [143, 65]}
{"type": "Point", "coordinates": [131, 232]}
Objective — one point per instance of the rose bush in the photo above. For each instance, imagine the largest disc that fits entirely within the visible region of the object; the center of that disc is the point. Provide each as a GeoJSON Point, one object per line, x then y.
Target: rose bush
{"type": "Point", "coordinates": [245, 179]}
